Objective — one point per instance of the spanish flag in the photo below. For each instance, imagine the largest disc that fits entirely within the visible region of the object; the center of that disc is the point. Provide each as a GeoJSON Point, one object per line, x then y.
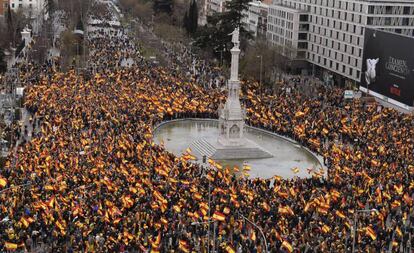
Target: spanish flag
{"type": "Point", "coordinates": [395, 204]}
{"type": "Point", "coordinates": [127, 201]}
{"type": "Point", "coordinates": [197, 196]}
{"type": "Point", "coordinates": [266, 207]}
{"type": "Point", "coordinates": [188, 150]}
{"type": "Point", "coordinates": [323, 209]}
{"type": "Point", "coordinates": [51, 202]}
{"type": "Point", "coordinates": [340, 214]}
{"type": "Point", "coordinates": [287, 246]}
{"type": "Point", "coordinates": [183, 246]}
{"type": "Point", "coordinates": [3, 182]}
{"type": "Point", "coordinates": [326, 229]}
{"type": "Point", "coordinates": [286, 210]}
{"type": "Point", "coordinates": [371, 233]}
{"type": "Point", "coordinates": [399, 189]}
{"type": "Point", "coordinates": [219, 166]}
{"type": "Point", "coordinates": [299, 114]}
{"type": "Point", "coordinates": [164, 221]}
{"type": "Point", "coordinates": [375, 163]}
{"type": "Point", "coordinates": [218, 216]}
{"type": "Point", "coordinates": [177, 208]}
{"type": "Point", "coordinates": [230, 249]}
{"type": "Point", "coordinates": [408, 200]}
{"type": "Point", "coordinates": [253, 236]}
{"type": "Point", "coordinates": [24, 222]}
{"type": "Point", "coordinates": [10, 246]}
{"type": "Point", "coordinates": [60, 225]}
{"type": "Point", "coordinates": [210, 177]}
{"type": "Point", "coordinates": [246, 167]}
{"type": "Point", "coordinates": [398, 231]}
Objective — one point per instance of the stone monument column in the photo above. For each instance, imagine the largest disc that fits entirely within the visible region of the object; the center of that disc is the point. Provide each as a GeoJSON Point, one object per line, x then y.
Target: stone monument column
{"type": "Point", "coordinates": [231, 121]}
{"type": "Point", "coordinates": [231, 143]}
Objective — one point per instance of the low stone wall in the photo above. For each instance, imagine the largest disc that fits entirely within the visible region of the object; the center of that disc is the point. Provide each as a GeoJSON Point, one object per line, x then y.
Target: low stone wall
{"type": "Point", "coordinates": [318, 157]}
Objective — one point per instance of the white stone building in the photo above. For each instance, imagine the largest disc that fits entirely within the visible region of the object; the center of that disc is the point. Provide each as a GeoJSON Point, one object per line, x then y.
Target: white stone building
{"type": "Point", "coordinates": [288, 28]}
{"type": "Point", "coordinates": [255, 18]}
{"type": "Point", "coordinates": [31, 8]}
{"type": "Point", "coordinates": [335, 30]}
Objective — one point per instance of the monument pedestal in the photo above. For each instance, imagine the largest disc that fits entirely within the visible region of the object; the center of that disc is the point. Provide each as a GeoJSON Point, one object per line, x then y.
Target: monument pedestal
{"type": "Point", "coordinates": [217, 151]}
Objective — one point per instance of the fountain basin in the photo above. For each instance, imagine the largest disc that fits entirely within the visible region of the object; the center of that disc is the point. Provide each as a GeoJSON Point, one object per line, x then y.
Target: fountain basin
{"type": "Point", "coordinates": [178, 135]}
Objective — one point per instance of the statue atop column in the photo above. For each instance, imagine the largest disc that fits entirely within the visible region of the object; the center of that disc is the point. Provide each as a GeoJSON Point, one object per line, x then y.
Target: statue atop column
{"type": "Point", "coordinates": [231, 121]}
{"type": "Point", "coordinates": [235, 37]}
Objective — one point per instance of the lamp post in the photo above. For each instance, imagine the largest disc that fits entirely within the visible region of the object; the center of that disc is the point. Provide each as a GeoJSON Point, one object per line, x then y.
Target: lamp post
{"type": "Point", "coordinates": [209, 201]}
{"type": "Point", "coordinates": [261, 67]}
{"type": "Point", "coordinates": [214, 234]}
{"type": "Point", "coordinates": [258, 228]}
{"type": "Point", "coordinates": [356, 226]}
{"type": "Point", "coordinates": [209, 220]}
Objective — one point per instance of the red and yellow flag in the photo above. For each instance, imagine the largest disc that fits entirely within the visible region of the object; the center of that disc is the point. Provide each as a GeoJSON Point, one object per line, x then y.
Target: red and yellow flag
{"type": "Point", "coordinates": [371, 233]}
{"type": "Point", "coordinates": [3, 182]}
{"type": "Point", "coordinates": [218, 216]}
{"type": "Point", "coordinates": [230, 249]}
{"type": "Point", "coordinates": [286, 245]}
{"type": "Point", "coordinates": [183, 246]}
{"type": "Point", "coordinates": [10, 246]}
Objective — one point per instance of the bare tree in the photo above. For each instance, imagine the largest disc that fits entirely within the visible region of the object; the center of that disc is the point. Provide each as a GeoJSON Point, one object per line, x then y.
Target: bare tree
{"type": "Point", "coordinates": [141, 9]}
{"type": "Point", "coordinates": [270, 56]}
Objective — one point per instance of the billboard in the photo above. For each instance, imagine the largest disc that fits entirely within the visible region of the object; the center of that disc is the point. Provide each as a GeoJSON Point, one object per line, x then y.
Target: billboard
{"type": "Point", "coordinates": [388, 65]}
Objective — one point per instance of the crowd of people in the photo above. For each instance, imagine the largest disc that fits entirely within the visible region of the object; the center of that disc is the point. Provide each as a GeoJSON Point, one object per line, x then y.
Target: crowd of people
{"type": "Point", "coordinates": [92, 179]}
{"type": "Point", "coordinates": [181, 59]}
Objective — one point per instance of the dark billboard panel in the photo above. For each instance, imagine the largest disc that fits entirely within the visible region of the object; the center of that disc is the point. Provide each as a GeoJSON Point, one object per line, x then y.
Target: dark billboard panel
{"type": "Point", "coordinates": [388, 65]}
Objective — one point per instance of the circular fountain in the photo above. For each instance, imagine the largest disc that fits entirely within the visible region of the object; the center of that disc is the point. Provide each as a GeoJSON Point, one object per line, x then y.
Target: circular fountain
{"type": "Point", "coordinates": [288, 160]}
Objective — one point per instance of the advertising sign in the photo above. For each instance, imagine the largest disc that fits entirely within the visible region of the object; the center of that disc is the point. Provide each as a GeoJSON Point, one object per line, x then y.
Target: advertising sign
{"type": "Point", "coordinates": [388, 65]}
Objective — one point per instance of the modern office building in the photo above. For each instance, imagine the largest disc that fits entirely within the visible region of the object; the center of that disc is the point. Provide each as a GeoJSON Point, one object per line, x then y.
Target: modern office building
{"type": "Point", "coordinates": [288, 28]}
{"type": "Point", "coordinates": [331, 33]}
{"type": "Point", "coordinates": [255, 18]}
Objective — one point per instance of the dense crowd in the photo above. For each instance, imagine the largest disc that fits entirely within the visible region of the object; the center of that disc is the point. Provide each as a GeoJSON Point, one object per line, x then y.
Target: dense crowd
{"type": "Point", "coordinates": [92, 179]}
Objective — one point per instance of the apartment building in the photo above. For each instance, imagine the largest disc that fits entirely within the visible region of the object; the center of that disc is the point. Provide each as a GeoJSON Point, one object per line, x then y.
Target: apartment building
{"type": "Point", "coordinates": [288, 28]}
{"type": "Point", "coordinates": [255, 18]}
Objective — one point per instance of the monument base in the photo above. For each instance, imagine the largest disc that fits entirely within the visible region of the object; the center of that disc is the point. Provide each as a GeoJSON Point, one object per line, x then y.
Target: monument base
{"type": "Point", "coordinates": [217, 151]}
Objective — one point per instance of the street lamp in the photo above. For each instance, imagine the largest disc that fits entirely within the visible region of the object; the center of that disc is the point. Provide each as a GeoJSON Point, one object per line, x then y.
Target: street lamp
{"type": "Point", "coordinates": [258, 228]}
{"type": "Point", "coordinates": [214, 234]}
{"type": "Point", "coordinates": [355, 223]}
{"type": "Point", "coordinates": [261, 67]}
{"type": "Point", "coordinates": [209, 220]}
